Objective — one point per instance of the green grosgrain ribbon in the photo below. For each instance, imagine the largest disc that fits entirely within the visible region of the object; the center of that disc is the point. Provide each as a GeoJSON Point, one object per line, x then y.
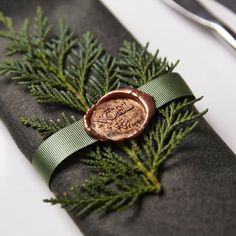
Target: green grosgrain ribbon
{"type": "Point", "coordinates": [73, 138]}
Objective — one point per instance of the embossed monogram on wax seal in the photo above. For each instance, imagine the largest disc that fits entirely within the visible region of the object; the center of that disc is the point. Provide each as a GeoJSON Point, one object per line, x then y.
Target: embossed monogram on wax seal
{"type": "Point", "coordinates": [120, 114]}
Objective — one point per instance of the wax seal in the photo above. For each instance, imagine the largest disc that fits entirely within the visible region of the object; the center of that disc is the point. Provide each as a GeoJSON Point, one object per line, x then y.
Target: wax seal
{"type": "Point", "coordinates": [120, 114]}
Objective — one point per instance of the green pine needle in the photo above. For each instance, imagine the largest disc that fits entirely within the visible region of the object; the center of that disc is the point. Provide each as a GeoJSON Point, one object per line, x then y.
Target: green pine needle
{"type": "Point", "coordinates": [137, 66]}
{"type": "Point", "coordinates": [103, 79]}
{"type": "Point", "coordinates": [116, 185]}
{"type": "Point", "coordinates": [55, 69]}
{"type": "Point", "coordinates": [75, 72]}
{"type": "Point", "coordinates": [48, 127]}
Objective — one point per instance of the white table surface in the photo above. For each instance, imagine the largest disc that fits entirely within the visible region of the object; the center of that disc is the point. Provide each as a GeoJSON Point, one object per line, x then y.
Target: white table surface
{"type": "Point", "coordinates": [207, 64]}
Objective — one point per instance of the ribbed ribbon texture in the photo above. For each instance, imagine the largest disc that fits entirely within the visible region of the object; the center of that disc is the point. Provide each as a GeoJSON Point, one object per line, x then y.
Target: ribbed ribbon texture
{"type": "Point", "coordinates": [73, 138]}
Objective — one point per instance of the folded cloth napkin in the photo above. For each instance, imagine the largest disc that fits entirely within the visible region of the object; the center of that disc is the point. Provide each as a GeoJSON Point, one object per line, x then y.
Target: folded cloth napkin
{"type": "Point", "coordinates": [199, 182]}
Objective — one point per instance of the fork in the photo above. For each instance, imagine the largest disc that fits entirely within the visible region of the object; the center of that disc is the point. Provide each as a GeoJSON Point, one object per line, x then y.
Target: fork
{"type": "Point", "coordinates": [197, 11]}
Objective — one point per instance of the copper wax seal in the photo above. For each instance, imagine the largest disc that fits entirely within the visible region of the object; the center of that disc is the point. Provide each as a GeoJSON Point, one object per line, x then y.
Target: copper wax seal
{"type": "Point", "coordinates": [120, 114]}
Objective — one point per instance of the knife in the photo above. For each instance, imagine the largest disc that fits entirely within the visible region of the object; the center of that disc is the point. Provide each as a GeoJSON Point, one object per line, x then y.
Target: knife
{"type": "Point", "coordinates": [197, 11]}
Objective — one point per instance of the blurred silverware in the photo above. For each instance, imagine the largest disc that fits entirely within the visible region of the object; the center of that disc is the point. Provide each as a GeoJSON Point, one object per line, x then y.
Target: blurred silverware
{"type": "Point", "coordinates": [197, 11]}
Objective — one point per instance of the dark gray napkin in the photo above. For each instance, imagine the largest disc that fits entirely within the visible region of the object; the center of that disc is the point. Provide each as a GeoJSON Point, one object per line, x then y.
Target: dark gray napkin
{"type": "Point", "coordinates": [199, 181]}
{"type": "Point", "coordinates": [231, 4]}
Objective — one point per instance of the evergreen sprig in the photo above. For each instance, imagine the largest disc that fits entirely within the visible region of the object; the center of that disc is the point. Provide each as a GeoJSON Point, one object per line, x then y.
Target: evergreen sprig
{"type": "Point", "coordinates": [75, 72]}
{"type": "Point", "coordinates": [119, 180]}
{"type": "Point", "coordinates": [103, 79]}
{"type": "Point", "coordinates": [55, 69]}
{"type": "Point", "coordinates": [47, 127]}
{"type": "Point", "coordinates": [137, 66]}
{"type": "Point", "coordinates": [115, 186]}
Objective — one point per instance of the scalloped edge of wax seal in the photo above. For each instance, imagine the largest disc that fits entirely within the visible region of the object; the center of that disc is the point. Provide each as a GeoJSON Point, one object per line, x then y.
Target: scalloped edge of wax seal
{"type": "Point", "coordinates": [144, 99]}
